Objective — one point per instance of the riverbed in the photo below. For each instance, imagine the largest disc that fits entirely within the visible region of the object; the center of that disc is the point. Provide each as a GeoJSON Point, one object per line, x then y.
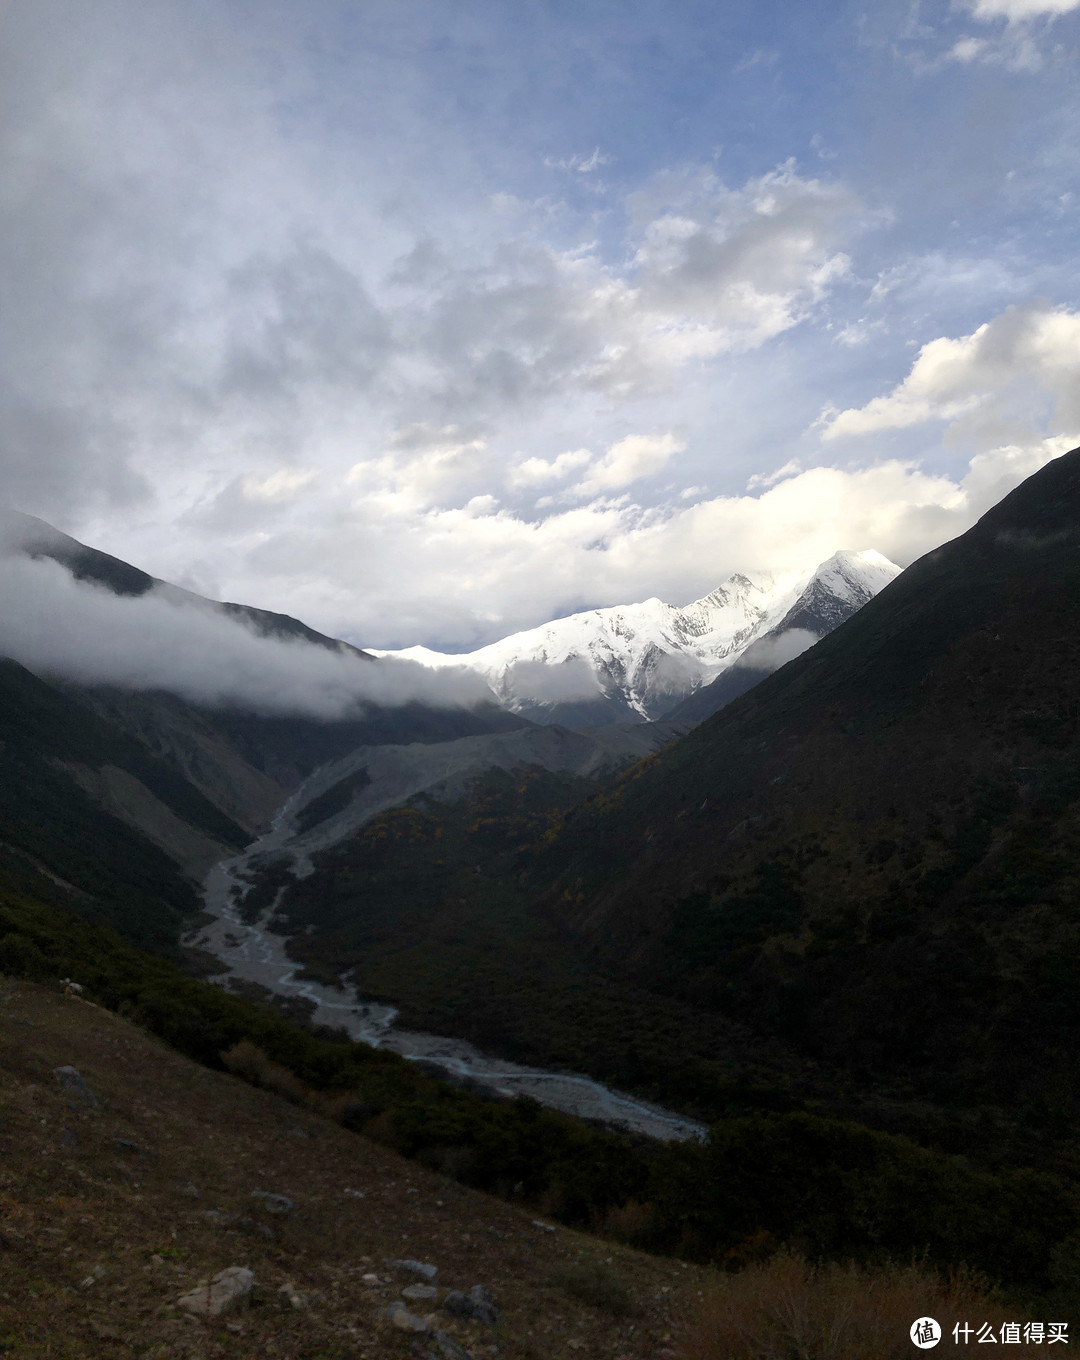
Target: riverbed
{"type": "Point", "coordinates": [255, 953]}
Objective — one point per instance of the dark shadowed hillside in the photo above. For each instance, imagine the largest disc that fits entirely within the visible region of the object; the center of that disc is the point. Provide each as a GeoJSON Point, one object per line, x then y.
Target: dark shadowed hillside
{"type": "Point", "coordinates": [873, 854]}
{"type": "Point", "coordinates": [129, 795]}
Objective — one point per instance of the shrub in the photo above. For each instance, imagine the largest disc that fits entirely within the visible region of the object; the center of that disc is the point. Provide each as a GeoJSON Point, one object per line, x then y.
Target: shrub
{"type": "Point", "coordinates": [594, 1283]}
{"type": "Point", "coordinates": [247, 1060]}
{"type": "Point", "coordinates": [788, 1309]}
{"type": "Point", "coordinates": [21, 957]}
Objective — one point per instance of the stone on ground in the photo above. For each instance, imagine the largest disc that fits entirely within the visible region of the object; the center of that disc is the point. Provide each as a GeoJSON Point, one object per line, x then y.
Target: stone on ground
{"type": "Point", "coordinates": [229, 1289]}
{"type": "Point", "coordinates": [71, 1079]}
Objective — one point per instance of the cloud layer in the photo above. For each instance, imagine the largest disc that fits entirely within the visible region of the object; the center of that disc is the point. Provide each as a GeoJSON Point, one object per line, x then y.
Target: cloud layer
{"type": "Point", "coordinates": [425, 328]}
{"type": "Point", "coordinates": [58, 626]}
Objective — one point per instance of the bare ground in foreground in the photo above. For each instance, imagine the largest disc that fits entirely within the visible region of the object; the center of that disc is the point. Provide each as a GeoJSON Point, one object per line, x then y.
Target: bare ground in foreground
{"type": "Point", "coordinates": [109, 1214]}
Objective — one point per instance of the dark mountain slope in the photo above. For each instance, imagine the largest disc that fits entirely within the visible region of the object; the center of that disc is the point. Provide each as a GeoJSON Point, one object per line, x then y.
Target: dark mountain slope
{"type": "Point", "coordinates": [874, 853]}
{"type": "Point", "coordinates": [95, 808]}
{"type": "Point", "coordinates": [130, 795]}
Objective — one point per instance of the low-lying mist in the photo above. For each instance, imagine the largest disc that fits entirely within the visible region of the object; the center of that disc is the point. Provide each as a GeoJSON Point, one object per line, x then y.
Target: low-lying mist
{"type": "Point", "coordinates": [58, 626]}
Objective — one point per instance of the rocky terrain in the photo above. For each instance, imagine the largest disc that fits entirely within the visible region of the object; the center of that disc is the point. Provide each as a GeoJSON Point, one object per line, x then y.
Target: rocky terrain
{"type": "Point", "coordinates": [130, 1175]}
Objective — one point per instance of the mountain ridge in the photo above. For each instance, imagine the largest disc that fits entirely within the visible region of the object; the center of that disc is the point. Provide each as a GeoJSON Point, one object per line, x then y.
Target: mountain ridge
{"type": "Point", "coordinates": [639, 662]}
{"type": "Point", "coordinates": [871, 852]}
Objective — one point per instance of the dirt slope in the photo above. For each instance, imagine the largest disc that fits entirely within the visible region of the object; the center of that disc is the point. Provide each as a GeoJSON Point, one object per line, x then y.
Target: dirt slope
{"type": "Point", "coordinates": [109, 1213]}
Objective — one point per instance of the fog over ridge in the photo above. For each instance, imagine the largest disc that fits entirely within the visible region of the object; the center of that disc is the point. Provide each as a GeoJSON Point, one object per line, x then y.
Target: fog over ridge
{"type": "Point", "coordinates": [58, 626]}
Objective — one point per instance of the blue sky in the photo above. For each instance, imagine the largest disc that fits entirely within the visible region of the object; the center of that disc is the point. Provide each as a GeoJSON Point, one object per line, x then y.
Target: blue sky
{"type": "Point", "coordinates": [428, 321]}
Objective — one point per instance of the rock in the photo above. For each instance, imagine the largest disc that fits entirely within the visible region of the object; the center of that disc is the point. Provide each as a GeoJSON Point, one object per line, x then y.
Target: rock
{"type": "Point", "coordinates": [544, 1227]}
{"type": "Point", "coordinates": [370, 1280]}
{"type": "Point", "coordinates": [288, 1292]}
{"type": "Point", "coordinates": [420, 1293]}
{"type": "Point", "coordinates": [71, 1080]}
{"type": "Point", "coordinates": [426, 1272]}
{"type": "Point", "coordinates": [127, 1145]}
{"type": "Point", "coordinates": [192, 1191]}
{"type": "Point", "coordinates": [405, 1321]}
{"type": "Point", "coordinates": [229, 1289]}
{"type": "Point", "coordinates": [274, 1204]}
{"type": "Point", "coordinates": [476, 1304]}
{"type": "Point", "coordinates": [448, 1348]}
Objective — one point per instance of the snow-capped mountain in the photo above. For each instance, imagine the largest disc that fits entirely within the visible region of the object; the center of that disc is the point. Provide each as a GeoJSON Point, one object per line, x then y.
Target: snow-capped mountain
{"type": "Point", "coordinates": [637, 662]}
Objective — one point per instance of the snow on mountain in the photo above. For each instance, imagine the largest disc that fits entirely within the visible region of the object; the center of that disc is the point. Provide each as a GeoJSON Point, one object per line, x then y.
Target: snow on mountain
{"type": "Point", "coordinates": [635, 662]}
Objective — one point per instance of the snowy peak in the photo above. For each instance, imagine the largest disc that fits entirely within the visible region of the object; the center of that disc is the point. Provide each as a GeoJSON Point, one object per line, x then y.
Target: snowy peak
{"type": "Point", "coordinates": [837, 589]}
{"type": "Point", "coordinates": [635, 662]}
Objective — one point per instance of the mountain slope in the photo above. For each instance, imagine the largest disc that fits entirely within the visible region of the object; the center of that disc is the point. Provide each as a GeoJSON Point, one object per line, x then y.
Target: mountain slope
{"type": "Point", "coordinates": [838, 588]}
{"type": "Point", "coordinates": [139, 1194]}
{"type": "Point", "coordinates": [872, 854]}
{"type": "Point", "coordinates": [92, 806]}
{"type": "Point", "coordinates": [131, 793]}
{"type": "Point", "coordinates": [635, 662]}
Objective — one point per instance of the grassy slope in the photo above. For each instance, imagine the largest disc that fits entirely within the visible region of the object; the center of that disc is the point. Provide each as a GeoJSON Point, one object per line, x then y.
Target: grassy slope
{"type": "Point", "coordinates": [75, 1201]}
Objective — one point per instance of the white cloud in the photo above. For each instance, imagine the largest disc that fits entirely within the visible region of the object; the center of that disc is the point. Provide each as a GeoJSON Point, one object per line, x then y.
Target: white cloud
{"type": "Point", "coordinates": [791, 468]}
{"type": "Point", "coordinates": [231, 275]}
{"type": "Point", "coordinates": [1015, 49]}
{"type": "Point", "coordinates": [771, 653]}
{"type": "Point", "coordinates": [581, 165]}
{"type": "Point", "coordinates": [426, 466]}
{"type": "Point", "coordinates": [284, 485]}
{"type": "Point", "coordinates": [713, 270]}
{"type": "Point", "coordinates": [1019, 371]}
{"type": "Point", "coordinates": [58, 626]}
{"type": "Point", "coordinates": [1021, 46]}
{"type": "Point", "coordinates": [385, 577]}
{"type": "Point", "coordinates": [1017, 11]}
{"type": "Point", "coordinates": [545, 683]}
{"type": "Point", "coordinates": [733, 268]}
{"type": "Point", "coordinates": [636, 456]}
{"type": "Point", "coordinates": [537, 471]}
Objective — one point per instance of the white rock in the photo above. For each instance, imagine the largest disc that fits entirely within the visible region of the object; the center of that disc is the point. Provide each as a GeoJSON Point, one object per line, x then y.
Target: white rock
{"type": "Point", "coordinates": [421, 1268]}
{"type": "Point", "coordinates": [419, 1293]}
{"type": "Point", "coordinates": [405, 1321]}
{"type": "Point", "coordinates": [227, 1290]}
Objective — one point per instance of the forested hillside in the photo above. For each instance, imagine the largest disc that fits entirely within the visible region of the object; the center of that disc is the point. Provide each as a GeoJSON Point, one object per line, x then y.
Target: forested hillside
{"type": "Point", "coordinates": [872, 856]}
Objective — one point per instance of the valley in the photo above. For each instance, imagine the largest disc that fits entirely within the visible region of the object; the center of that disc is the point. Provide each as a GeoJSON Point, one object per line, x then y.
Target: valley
{"type": "Point", "coordinates": [539, 680]}
{"type": "Point", "coordinates": [649, 974]}
{"type": "Point", "coordinates": [251, 952]}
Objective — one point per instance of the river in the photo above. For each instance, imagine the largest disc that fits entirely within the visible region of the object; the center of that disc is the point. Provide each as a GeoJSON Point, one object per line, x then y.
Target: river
{"type": "Point", "coordinates": [256, 954]}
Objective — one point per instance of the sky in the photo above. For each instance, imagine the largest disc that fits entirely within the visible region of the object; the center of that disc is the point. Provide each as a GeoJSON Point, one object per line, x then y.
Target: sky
{"type": "Point", "coordinates": [430, 320]}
